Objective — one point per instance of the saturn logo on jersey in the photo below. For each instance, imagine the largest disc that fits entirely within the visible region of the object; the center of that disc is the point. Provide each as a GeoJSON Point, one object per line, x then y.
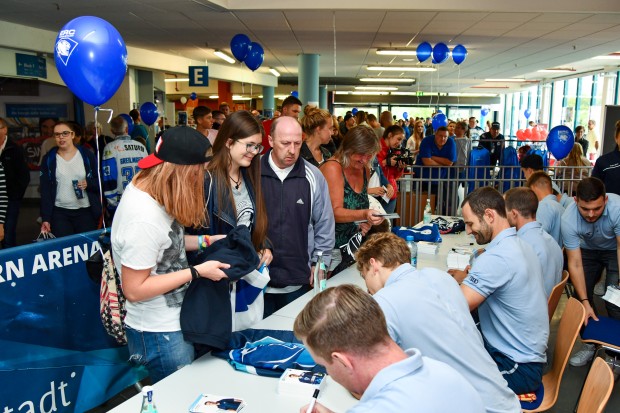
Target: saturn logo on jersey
{"type": "Point", "coordinates": [64, 48]}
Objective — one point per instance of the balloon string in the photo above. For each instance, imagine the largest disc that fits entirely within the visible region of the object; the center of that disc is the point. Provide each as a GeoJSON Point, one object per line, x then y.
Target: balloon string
{"type": "Point", "coordinates": [98, 156]}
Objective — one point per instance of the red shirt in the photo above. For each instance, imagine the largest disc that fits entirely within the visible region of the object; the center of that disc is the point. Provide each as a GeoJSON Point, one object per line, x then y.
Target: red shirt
{"type": "Point", "coordinates": [392, 173]}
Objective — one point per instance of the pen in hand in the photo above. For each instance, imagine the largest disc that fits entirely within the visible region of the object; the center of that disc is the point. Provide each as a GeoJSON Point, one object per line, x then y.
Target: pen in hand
{"type": "Point", "coordinates": [313, 401]}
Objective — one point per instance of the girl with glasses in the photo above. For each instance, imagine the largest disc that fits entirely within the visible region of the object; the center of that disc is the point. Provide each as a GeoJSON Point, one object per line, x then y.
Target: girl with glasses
{"type": "Point", "coordinates": [232, 183]}
{"type": "Point", "coordinates": [70, 202]}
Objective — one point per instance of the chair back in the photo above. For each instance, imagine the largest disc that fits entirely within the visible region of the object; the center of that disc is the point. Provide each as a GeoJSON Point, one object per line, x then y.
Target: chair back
{"type": "Point", "coordinates": [597, 388]}
{"type": "Point", "coordinates": [556, 294]}
{"type": "Point", "coordinates": [570, 324]}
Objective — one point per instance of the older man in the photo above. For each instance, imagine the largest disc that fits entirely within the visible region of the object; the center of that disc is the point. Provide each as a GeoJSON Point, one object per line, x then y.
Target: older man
{"type": "Point", "coordinates": [301, 218]}
{"type": "Point", "coordinates": [505, 284]}
{"type": "Point", "coordinates": [494, 142]}
{"type": "Point", "coordinates": [345, 330]}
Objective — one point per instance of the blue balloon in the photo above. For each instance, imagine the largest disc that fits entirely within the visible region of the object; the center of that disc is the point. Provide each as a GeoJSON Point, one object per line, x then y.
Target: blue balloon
{"type": "Point", "coordinates": [441, 52]}
{"type": "Point", "coordinates": [459, 53]}
{"type": "Point", "coordinates": [240, 46]}
{"type": "Point", "coordinates": [439, 120]}
{"type": "Point", "coordinates": [295, 94]}
{"type": "Point", "coordinates": [560, 141]}
{"type": "Point", "coordinates": [527, 113]}
{"type": "Point", "coordinates": [148, 113]}
{"type": "Point", "coordinates": [129, 121]}
{"type": "Point", "coordinates": [193, 96]}
{"type": "Point", "coordinates": [484, 111]}
{"type": "Point", "coordinates": [405, 115]}
{"type": "Point", "coordinates": [354, 111]}
{"type": "Point", "coordinates": [255, 56]}
{"type": "Point", "coordinates": [91, 58]}
{"type": "Point", "coordinates": [423, 52]}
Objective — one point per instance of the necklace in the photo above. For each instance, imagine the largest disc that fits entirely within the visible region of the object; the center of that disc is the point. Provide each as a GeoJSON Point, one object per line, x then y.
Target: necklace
{"type": "Point", "coordinates": [237, 183]}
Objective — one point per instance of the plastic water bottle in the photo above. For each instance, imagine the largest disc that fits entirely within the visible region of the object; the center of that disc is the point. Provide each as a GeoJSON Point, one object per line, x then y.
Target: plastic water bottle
{"type": "Point", "coordinates": [148, 405]}
{"type": "Point", "coordinates": [413, 251]}
{"type": "Point", "coordinates": [320, 272]}
{"type": "Point", "coordinates": [427, 212]}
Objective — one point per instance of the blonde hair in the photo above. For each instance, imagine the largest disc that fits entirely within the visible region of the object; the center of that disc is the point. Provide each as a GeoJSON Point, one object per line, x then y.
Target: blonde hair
{"type": "Point", "coordinates": [385, 247]}
{"type": "Point", "coordinates": [575, 156]}
{"type": "Point", "coordinates": [178, 188]}
{"type": "Point", "coordinates": [360, 139]}
{"type": "Point", "coordinates": [313, 118]}
{"type": "Point", "coordinates": [343, 318]}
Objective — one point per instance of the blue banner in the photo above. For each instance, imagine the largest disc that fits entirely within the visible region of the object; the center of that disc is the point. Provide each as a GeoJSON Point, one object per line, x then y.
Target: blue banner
{"type": "Point", "coordinates": [55, 355]}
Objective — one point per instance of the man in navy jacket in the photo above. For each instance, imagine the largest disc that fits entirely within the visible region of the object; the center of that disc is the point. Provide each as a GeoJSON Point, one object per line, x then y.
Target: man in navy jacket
{"type": "Point", "coordinates": [301, 219]}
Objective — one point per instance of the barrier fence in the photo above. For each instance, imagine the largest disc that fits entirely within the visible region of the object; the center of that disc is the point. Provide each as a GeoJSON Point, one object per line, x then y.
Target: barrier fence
{"type": "Point", "coordinates": [448, 186]}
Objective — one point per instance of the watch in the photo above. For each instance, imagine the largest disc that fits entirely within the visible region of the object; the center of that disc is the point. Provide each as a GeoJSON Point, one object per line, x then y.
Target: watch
{"type": "Point", "coordinates": [195, 273]}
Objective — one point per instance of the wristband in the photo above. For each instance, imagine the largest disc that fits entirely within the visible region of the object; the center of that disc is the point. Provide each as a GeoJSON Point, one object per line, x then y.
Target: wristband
{"type": "Point", "coordinates": [195, 273]}
{"type": "Point", "coordinates": [203, 242]}
{"type": "Point", "coordinates": [584, 299]}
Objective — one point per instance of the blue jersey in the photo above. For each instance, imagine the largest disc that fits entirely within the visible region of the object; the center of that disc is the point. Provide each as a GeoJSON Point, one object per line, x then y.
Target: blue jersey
{"type": "Point", "coordinates": [118, 167]}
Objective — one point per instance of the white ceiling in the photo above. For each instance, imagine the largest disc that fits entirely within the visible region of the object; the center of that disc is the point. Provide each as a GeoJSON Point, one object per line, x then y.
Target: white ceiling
{"type": "Point", "coordinates": [503, 43]}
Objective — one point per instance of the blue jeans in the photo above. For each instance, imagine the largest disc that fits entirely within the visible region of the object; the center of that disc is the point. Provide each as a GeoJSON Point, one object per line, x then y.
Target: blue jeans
{"type": "Point", "coordinates": [521, 377]}
{"type": "Point", "coordinates": [593, 263]}
{"type": "Point", "coordinates": [162, 353]}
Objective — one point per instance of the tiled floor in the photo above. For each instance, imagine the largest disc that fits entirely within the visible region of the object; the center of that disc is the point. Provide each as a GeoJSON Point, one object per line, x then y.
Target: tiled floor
{"type": "Point", "coordinates": [571, 382]}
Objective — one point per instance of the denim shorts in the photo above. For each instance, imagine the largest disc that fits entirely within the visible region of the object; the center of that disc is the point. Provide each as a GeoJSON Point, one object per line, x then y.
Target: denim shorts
{"type": "Point", "coordinates": [162, 353]}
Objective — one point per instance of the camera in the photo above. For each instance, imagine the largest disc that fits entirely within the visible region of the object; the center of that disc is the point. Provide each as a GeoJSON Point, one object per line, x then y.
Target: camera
{"type": "Point", "coordinates": [401, 155]}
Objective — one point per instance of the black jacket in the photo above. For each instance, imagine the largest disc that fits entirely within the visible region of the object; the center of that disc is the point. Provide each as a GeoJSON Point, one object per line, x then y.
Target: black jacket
{"type": "Point", "coordinates": [206, 314]}
{"type": "Point", "coordinates": [16, 170]}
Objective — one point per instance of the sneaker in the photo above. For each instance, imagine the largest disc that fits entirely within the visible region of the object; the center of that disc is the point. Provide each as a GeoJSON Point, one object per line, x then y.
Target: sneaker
{"type": "Point", "coordinates": [614, 363]}
{"type": "Point", "coordinates": [583, 356]}
{"type": "Point", "coordinates": [599, 289]}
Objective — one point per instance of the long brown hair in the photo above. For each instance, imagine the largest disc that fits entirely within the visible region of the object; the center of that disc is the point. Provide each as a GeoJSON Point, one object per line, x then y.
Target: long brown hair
{"type": "Point", "coordinates": [178, 188]}
{"type": "Point", "coordinates": [575, 156]}
{"type": "Point", "coordinates": [239, 125]}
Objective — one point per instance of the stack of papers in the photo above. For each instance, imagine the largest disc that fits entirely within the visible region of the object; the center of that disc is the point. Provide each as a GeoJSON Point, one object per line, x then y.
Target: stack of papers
{"type": "Point", "coordinates": [458, 261]}
{"type": "Point", "coordinates": [425, 247]}
{"type": "Point", "coordinates": [612, 295]}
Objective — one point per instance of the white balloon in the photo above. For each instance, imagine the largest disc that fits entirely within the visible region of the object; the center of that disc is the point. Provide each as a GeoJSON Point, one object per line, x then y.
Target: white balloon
{"type": "Point", "coordinates": [184, 100]}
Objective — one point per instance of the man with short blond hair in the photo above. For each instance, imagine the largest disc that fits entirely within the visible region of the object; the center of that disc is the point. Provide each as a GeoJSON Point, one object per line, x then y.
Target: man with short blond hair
{"type": "Point", "coordinates": [436, 318]}
{"type": "Point", "coordinates": [344, 329]}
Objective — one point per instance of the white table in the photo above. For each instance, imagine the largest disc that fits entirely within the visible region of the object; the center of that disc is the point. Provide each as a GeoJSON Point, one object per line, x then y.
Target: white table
{"type": "Point", "coordinates": [212, 375]}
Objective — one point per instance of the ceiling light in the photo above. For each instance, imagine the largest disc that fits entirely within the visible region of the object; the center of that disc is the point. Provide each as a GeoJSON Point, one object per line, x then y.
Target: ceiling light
{"type": "Point", "coordinates": [388, 79]}
{"type": "Point", "coordinates": [612, 56]}
{"type": "Point", "coordinates": [375, 93]}
{"type": "Point", "coordinates": [223, 56]}
{"type": "Point", "coordinates": [214, 97]}
{"type": "Point", "coordinates": [415, 93]}
{"type": "Point", "coordinates": [239, 97]}
{"type": "Point", "coordinates": [376, 88]}
{"type": "Point", "coordinates": [403, 68]}
{"type": "Point", "coordinates": [474, 95]}
{"type": "Point", "coordinates": [274, 72]}
{"type": "Point", "coordinates": [558, 70]}
{"type": "Point", "coordinates": [176, 79]}
{"type": "Point", "coordinates": [397, 52]}
{"type": "Point", "coordinates": [490, 87]}
{"type": "Point", "coordinates": [505, 80]}
{"type": "Point", "coordinates": [408, 60]}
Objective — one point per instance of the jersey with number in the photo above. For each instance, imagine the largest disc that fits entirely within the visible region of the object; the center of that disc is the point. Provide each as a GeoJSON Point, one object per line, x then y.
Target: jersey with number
{"type": "Point", "coordinates": [119, 165]}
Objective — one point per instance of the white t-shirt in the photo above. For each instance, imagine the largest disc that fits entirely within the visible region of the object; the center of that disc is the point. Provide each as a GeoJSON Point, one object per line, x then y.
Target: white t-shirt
{"type": "Point", "coordinates": [144, 236]}
{"type": "Point", "coordinates": [66, 173]}
{"type": "Point", "coordinates": [119, 165]}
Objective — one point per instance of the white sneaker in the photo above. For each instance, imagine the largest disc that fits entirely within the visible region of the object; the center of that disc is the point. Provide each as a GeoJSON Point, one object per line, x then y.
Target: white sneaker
{"type": "Point", "coordinates": [583, 356]}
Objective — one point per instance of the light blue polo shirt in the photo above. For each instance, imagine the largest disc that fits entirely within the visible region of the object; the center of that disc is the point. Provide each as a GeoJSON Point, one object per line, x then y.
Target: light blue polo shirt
{"type": "Point", "coordinates": [514, 316]}
{"type": "Point", "coordinates": [566, 200]}
{"type": "Point", "coordinates": [549, 214]}
{"type": "Point", "coordinates": [419, 384]}
{"type": "Point", "coordinates": [599, 235]}
{"type": "Point", "coordinates": [426, 309]}
{"type": "Point", "coordinates": [548, 251]}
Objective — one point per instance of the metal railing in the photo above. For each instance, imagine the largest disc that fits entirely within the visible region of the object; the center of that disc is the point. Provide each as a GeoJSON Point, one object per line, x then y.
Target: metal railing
{"type": "Point", "coordinates": [448, 186]}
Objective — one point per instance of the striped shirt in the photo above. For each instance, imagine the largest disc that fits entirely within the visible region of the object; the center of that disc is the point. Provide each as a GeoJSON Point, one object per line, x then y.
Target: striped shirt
{"type": "Point", "coordinates": [4, 199]}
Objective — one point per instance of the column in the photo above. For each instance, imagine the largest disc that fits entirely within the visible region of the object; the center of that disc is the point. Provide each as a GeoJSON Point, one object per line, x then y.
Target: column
{"type": "Point", "coordinates": [269, 101]}
{"type": "Point", "coordinates": [323, 97]}
{"type": "Point", "coordinates": [224, 93]}
{"type": "Point", "coordinates": [309, 79]}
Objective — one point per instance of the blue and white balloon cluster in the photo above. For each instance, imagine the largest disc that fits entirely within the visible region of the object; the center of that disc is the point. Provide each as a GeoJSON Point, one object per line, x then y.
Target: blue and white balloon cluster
{"type": "Point", "coordinates": [247, 51]}
{"type": "Point", "coordinates": [440, 53]}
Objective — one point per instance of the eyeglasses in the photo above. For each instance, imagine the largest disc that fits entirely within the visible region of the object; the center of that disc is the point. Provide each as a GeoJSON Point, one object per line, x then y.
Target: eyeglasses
{"type": "Point", "coordinates": [64, 134]}
{"type": "Point", "coordinates": [253, 147]}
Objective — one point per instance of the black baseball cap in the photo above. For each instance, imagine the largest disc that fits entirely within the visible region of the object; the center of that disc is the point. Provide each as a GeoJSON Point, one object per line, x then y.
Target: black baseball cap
{"type": "Point", "coordinates": [495, 125]}
{"type": "Point", "coordinates": [180, 145]}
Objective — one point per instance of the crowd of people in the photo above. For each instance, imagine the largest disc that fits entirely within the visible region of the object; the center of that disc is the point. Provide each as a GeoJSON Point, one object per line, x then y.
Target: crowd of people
{"type": "Point", "coordinates": [303, 187]}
